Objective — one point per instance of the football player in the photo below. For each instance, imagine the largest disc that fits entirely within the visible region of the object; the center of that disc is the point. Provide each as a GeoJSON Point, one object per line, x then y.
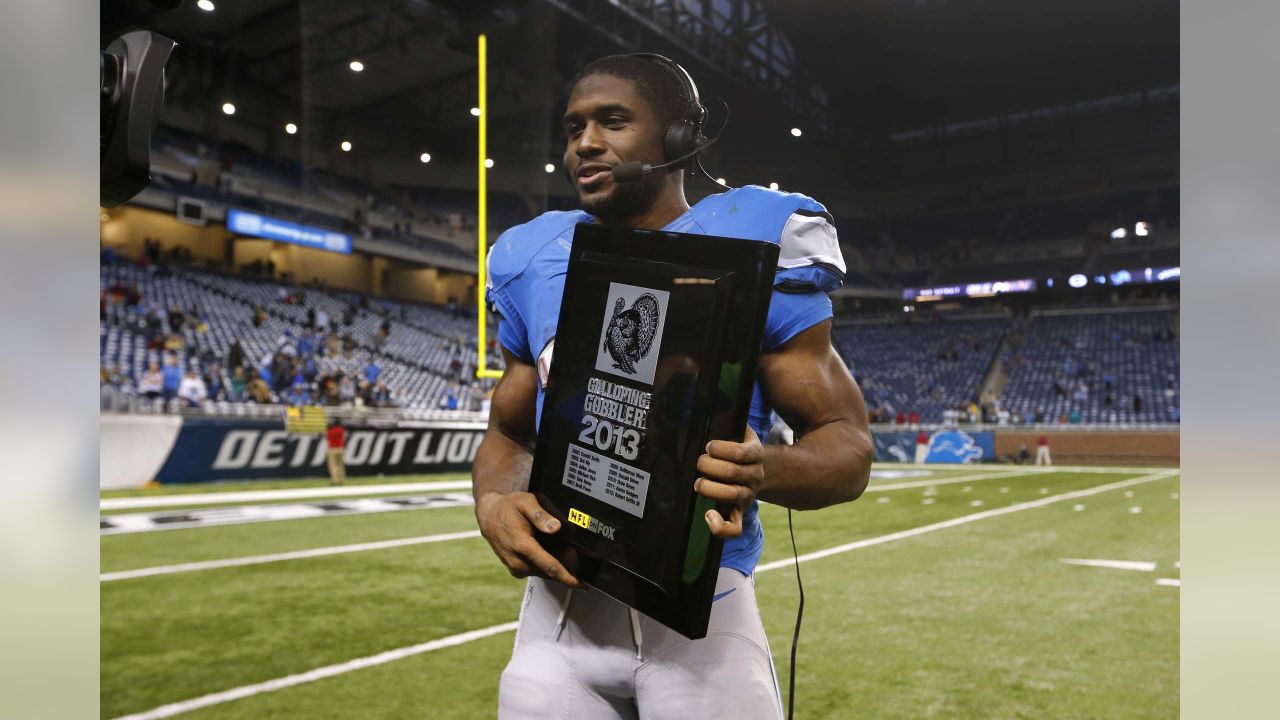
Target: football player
{"type": "Point", "coordinates": [582, 654]}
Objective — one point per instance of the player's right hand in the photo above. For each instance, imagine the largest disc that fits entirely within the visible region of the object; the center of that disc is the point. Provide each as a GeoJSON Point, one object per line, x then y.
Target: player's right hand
{"type": "Point", "coordinates": [508, 522]}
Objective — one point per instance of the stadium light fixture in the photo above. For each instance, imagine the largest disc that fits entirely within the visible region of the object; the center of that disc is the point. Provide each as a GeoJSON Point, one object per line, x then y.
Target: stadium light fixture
{"type": "Point", "coordinates": [1077, 281]}
{"type": "Point", "coordinates": [356, 66]}
{"type": "Point", "coordinates": [475, 112]}
{"type": "Point", "coordinates": [721, 181]}
{"type": "Point", "coordinates": [205, 5]}
{"type": "Point", "coordinates": [346, 146]}
{"type": "Point", "coordinates": [291, 128]}
{"type": "Point", "coordinates": [550, 168]}
{"type": "Point", "coordinates": [1119, 233]}
{"type": "Point", "coordinates": [488, 162]}
{"type": "Point", "coordinates": [795, 132]}
{"type": "Point", "coordinates": [773, 186]}
{"type": "Point", "coordinates": [1142, 229]}
{"type": "Point", "coordinates": [228, 109]}
{"type": "Point", "coordinates": [424, 158]}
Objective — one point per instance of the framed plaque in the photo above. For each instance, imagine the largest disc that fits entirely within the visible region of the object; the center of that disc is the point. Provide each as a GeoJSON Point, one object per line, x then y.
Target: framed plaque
{"type": "Point", "coordinates": [655, 354]}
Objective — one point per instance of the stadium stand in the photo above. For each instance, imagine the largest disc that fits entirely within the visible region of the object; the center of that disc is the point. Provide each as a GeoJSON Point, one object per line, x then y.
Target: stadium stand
{"type": "Point", "coordinates": [307, 345]}
{"type": "Point", "coordinates": [925, 368]}
{"type": "Point", "coordinates": [1112, 367]}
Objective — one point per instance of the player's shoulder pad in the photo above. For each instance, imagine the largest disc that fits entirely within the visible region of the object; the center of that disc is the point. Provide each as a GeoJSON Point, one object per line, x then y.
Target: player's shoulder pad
{"type": "Point", "coordinates": [810, 257]}
{"type": "Point", "coordinates": [516, 248]}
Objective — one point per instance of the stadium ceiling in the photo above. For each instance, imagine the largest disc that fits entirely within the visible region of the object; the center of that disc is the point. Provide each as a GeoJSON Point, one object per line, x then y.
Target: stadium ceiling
{"type": "Point", "coordinates": [419, 60]}
{"type": "Point", "coordinates": [894, 65]}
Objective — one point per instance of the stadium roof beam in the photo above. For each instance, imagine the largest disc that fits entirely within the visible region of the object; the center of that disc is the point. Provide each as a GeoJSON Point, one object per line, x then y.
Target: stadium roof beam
{"type": "Point", "coordinates": [741, 45]}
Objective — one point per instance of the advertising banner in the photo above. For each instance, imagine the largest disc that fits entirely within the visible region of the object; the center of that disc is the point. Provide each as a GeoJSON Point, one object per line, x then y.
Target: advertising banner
{"type": "Point", "coordinates": [215, 449]}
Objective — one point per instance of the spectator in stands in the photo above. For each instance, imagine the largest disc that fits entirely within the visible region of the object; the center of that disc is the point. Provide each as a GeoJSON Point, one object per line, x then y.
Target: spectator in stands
{"type": "Point", "coordinates": [900, 418]}
{"type": "Point", "coordinates": [332, 345]}
{"type": "Point", "coordinates": [306, 344]}
{"type": "Point", "coordinates": [235, 355]}
{"type": "Point", "coordinates": [259, 315]}
{"type": "Point", "coordinates": [372, 371]}
{"type": "Point", "coordinates": [213, 381]}
{"type": "Point", "coordinates": [322, 320]}
{"type": "Point", "coordinates": [172, 376]}
{"type": "Point", "coordinates": [1042, 451]}
{"type": "Point", "coordinates": [258, 391]}
{"type": "Point", "coordinates": [336, 437]}
{"type": "Point", "coordinates": [1024, 456]}
{"type": "Point", "coordinates": [192, 389]}
{"type": "Point", "coordinates": [152, 383]}
{"type": "Point", "coordinates": [236, 389]}
{"type": "Point", "coordinates": [379, 395]}
{"type": "Point", "coordinates": [298, 395]}
{"type": "Point", "coordinates": [1137, 403]}
{"type": "Point", "coordinates": [346, 390]}
{"type": "Point", "coordinates": [913, 419]}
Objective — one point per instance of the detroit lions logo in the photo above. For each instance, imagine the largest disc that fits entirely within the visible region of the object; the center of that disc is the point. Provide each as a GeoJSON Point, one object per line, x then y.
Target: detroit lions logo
{"type": "Point", "coordinates": [631, 332]}
{"type": "Point", "coordinates": [953, 446]}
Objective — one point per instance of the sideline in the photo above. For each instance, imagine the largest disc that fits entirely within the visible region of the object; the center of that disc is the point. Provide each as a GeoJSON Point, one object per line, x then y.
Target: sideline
{"type": "Point", "coordinates": [226, 498]}
{"type": "Point", "coordinates": [360, 547]}
{"type": "Point", "coordinates": [172, 709]}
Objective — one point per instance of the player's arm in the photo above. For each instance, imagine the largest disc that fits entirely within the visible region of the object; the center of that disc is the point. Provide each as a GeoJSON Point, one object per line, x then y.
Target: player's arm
{"type": "Point", "coordinates": [508, 515]}
{"type": "Point", "coordinates": [810, 387]}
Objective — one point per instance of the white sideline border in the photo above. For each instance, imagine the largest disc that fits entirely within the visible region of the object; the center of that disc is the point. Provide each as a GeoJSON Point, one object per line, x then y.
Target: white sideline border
{"type": "Point", "coordinates": [172, 709]}
{"type": "Point", "coordinates": [361, 547]}
{"type": "Point", "coordinates": [227, 498]}
{"type": "Point", "coordinates": [278, 557]}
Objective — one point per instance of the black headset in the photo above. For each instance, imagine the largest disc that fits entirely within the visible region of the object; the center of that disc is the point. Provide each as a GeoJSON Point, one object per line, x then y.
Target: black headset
{"type": "Point", "coordinates": [683, 136]}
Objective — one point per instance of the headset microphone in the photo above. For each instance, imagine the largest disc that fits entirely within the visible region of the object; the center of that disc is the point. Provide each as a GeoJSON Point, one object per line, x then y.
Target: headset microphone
{"type": "Point", "coordinates": [634, 170]}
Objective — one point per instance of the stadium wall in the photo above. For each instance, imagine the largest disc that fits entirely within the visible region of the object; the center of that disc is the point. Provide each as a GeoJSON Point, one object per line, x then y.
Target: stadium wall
{"type": "Point", "coordinates": [1155, 447]}
{"type": "Point", "coordinates": [128, 226]}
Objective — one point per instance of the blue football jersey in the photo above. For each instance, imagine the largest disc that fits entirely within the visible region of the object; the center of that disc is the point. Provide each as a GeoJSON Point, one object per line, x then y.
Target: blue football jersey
{"type": "Point", "coordinates": [527, 267]}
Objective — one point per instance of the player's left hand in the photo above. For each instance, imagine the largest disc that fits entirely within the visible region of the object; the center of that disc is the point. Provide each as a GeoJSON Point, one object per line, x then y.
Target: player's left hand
{"type": "Point", "coordinates": [730, 472]}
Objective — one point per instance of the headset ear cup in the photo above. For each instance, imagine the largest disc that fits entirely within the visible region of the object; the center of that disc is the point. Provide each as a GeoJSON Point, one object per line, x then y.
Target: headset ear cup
{"type": "Point", "coordinates": [679, 140]}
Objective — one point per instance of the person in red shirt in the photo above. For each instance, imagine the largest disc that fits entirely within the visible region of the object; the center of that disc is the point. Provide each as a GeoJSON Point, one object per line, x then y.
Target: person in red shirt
{"type": "Point", "coordinates": [337, 437]}
{"type": "Point", "coordinates": [922, 447]}
{"type": "Point", "coordinates": [900, 419]}
{"type": "Point", "coordinates": [913, 419]}
{"type": "Point", "coordinates": [1042, 451]}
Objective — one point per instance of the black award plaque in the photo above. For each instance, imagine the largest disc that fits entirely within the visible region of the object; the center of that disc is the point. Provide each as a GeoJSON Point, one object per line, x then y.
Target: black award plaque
{"type": "Point", "coordinates": [655, 354]}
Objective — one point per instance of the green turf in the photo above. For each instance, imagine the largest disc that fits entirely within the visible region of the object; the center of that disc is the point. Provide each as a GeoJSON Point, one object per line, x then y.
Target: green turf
{"type": "Point", "coordinates": [979, 620]}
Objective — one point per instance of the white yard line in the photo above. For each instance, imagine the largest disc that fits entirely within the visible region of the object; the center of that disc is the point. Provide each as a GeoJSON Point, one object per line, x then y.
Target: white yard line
{"type": "Point", "coordinates": [327, 671]}
{"type": "Point", "coordinates": [949, 481]}
{"type": "Point", "coordinates": [216, 498]}
{"type": "Point", "coordinates": [338, 550]}
{"type": "Point", "coordinates": [217, 698]}
{"type": "Point", "coordinates": [1169, 582]}
{"type": "Point", "coordinates": [1140, 565]}
{"type": "Point", "coordinates": [965, 519]}
{"type": "Point", "coordinates": [295, 555]}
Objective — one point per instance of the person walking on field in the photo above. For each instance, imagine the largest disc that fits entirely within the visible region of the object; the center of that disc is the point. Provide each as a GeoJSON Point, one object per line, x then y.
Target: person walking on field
{"type": "Point", "coordinates": [922, 447]}
{"type": "Point", "coordinates": [337, 437]}
{"type": "Point", "coordinates": [1042, 451]}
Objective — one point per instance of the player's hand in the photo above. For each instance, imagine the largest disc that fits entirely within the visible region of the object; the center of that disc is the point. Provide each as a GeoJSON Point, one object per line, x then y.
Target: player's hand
{"type": "Point", "coordinates": [508, 521]}
{"type": "Point", "coordinates": [733, 473]}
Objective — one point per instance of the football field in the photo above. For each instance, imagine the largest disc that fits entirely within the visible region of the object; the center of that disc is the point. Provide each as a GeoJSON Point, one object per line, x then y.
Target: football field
{"type": "Point", "coordinates": [941, 593]}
